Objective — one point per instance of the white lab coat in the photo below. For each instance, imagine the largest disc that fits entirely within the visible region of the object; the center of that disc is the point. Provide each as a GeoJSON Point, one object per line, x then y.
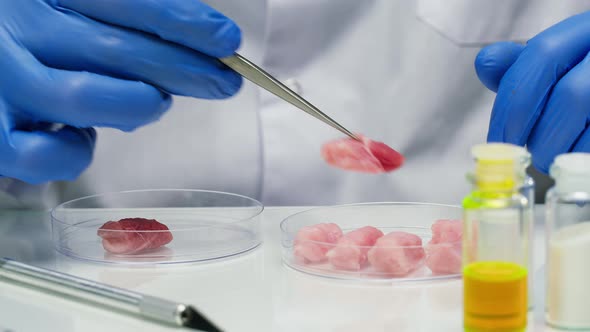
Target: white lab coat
{"type": "Point", "coordinates": [399, 71]}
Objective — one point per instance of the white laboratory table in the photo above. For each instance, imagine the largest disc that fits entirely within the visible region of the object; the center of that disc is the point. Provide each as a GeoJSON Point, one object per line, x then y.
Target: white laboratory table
{"type": "Point", "coordinates": [251, 293]}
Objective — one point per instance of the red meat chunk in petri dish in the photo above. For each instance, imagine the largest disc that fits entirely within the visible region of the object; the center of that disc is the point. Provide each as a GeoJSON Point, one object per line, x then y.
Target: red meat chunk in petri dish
{"type": "Point", "coordinates": [350, 252]}
{"type": "Point", "coordinates": [133, 235]}
{"type": "Point", "coordinates": [367, 156]}
{"type": "Point", "coordinates": [444, 249]}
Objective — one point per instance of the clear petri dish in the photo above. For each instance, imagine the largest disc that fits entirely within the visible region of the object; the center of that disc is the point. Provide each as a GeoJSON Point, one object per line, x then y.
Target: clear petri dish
{"type": "Point", "coordinates": [205, 226]}
{"type": "Point", "coordinates": [393, 262]}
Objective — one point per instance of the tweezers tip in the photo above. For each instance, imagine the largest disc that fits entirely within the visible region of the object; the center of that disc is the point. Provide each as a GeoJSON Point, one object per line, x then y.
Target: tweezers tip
{"type": "Point", "coordinates": [195, 320]}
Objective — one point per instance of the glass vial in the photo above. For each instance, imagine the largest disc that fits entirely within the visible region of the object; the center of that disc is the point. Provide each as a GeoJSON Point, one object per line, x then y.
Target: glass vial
{"type": "Point", "coordinates": [496, 240]}
{"type": "Point", "coordinates": [568, 243]}
{"type": "Point", "coordinates": [528, 190]}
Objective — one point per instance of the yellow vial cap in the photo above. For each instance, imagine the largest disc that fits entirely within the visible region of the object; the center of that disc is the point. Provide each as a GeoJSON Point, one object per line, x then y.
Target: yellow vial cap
{"type": "Point", "coordinates": [499, 166]}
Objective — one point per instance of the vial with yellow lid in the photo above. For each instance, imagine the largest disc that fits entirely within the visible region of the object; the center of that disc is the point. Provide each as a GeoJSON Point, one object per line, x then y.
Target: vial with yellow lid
{"type": "Point", "coordinates": [497, 240]}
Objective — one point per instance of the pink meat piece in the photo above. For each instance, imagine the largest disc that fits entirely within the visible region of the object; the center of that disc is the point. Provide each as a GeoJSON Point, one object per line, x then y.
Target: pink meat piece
{"type": "Point", "coordinates": [367, 156]}
{"type": "Point", "coordinates": [312, 242]}
{"type": "Point", "coordinates": [350, 252]}
{"type": "Point", "coordinates": [333, 231]}
{"type": "Point", "coordinates": [444, 249]}
{"type": "Point", "coordinates": [397, 253]}
{"type": "Point", "coordinates": [133, 235]}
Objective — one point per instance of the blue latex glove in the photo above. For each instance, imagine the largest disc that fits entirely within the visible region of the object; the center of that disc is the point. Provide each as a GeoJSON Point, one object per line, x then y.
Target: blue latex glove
{"type": "Point", "coordinates": [107, 63]}
{"type": "Point", "coordinates": [543, 90]}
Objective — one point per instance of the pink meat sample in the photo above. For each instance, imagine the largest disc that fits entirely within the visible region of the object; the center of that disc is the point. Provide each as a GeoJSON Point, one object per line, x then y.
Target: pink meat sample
{"type": "Point", "coordinates": [133, 235]}
{"type": "Point", "coordinates": [350, 252]}
{"type": "Point", "coordinates": [333, 231]}
{"type": "Point", "coordinates": [397, 253]}
{"type": "Point", "coordinates": [367, 156]}
{"type": "Point", "coordinates": [312, 242]}
{"type": "Point", "coordinates": [444, 249]}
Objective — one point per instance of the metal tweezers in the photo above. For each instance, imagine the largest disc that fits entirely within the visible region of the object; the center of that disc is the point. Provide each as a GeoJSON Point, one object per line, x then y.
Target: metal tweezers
{"type": "Point", "coordinates": [261, 78]}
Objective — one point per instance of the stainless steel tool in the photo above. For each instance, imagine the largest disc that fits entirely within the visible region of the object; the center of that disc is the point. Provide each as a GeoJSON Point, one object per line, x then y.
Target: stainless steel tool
{"type": "Point", "coordinates": [258, 76]}
{"type": "Point", "coordinates": [116, 299]}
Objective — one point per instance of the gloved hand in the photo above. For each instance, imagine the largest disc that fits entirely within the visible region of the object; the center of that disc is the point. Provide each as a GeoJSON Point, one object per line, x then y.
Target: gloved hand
{"type": "Point", "coordinates": [543, 90]}
{"type": "Point", "coordinates": [107, 63]}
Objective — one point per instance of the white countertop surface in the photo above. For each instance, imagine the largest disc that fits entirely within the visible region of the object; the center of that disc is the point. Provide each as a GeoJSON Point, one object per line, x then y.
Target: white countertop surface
{"type": "Point", "coordinates": [251, 293]}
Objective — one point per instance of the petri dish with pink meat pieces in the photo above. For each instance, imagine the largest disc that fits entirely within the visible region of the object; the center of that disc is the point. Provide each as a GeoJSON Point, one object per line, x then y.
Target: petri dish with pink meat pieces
{"type": "Point", "coordinates": [375, 241]}
{"type": "Point", "coordinates": [150, 227]}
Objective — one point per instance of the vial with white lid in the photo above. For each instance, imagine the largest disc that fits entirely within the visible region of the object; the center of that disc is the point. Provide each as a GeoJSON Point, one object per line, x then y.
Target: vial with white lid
{"type": "Point", "coordinates": [568, 243]}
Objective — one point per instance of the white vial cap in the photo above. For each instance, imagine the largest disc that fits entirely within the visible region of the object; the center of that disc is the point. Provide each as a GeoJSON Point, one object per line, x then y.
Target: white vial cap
{"type": "Point", "coordinates": [571, 172]}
